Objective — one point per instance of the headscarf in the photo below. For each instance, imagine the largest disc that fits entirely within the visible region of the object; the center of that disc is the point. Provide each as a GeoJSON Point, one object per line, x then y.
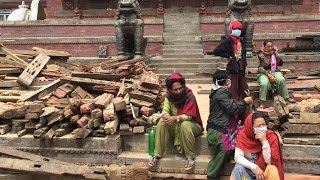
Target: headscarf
{"type": "Point", "coordinates": [185, 102]}
{"type": "Point", "coordinates": [235, 24]}
{"type": "Point", "coordinates": [246, 141]}
{"type": "Point", "coordinates": [270, 57]}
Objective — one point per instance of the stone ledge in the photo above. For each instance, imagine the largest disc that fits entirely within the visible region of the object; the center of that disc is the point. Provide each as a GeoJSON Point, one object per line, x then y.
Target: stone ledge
{"type": "Point", "coordinates": [67, 144]}
{"type": "Point", "coordinates": [73, 40]}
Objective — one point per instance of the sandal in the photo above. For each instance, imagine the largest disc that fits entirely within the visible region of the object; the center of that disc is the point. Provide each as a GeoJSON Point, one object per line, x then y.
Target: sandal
{"type": "Point", "coordinates": [152, 161]}
{"type": "Point", "coordinates": [189, 164]}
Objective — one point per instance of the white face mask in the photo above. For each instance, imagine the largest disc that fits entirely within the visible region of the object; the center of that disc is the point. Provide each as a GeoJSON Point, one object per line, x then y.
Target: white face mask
{"type": "Point", "coordinates": [260, 130]}
{"type": "Point", "coordinates": [217, 86]}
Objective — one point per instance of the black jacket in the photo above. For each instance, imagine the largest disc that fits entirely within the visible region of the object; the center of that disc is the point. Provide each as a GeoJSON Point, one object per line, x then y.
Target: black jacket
{"type": "Point", "coordinates": [225, 49]}
{"type": "Point", "coordinates": [222, 109]}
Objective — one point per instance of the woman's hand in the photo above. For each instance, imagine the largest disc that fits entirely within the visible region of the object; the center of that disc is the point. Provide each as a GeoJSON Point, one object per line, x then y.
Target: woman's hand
{"type": "Point", "coordinates": [169, 119]}
{"type": "Point", "coordinates": [259, 173]}
{"type": "Point", "coordinates": [272, 77]}
{"type": "Point", "coordinates": [262, 136]}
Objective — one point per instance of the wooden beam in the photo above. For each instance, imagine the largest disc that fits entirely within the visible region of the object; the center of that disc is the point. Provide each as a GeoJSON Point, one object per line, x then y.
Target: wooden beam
{"type": "Point", "coordinates": [101, 76]}
{"type": "Point", "coordinates": [52, 52]}
{"type": "Point", "coordinates": [88, 81]}
{"type": "Point", "coordinates": [42, 91]}
{"type": "Point", "coordinates": [12, 55]}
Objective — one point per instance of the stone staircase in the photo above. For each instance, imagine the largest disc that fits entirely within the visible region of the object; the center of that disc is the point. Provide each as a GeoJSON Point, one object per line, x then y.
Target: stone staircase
{"type": "Point", "coordinates": [182, 49]}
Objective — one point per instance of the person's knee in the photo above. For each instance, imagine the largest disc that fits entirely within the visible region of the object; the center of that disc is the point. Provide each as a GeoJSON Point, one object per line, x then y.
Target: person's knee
{"type": "Point", "coordinates": [160, 124]}
{"type": "Point", "coordinates": [272, 168]}
{"type": "Point", "coordinates": [238, 168]}
{"type": "Point", "coordinates": [185, 127]}
{"type": "Point", "coordinates": [281, 79]}
{"type": "Point", "coordinates": [264, 84]}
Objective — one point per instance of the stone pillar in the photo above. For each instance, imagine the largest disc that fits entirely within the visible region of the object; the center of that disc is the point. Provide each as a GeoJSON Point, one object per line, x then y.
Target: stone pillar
{"type": "Point", "coordinates": [53, 6]}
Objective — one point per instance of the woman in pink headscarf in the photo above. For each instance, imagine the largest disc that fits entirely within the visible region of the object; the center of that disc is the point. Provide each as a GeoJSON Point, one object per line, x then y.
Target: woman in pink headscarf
{"type": "Point", "coordinates": [233, 48]}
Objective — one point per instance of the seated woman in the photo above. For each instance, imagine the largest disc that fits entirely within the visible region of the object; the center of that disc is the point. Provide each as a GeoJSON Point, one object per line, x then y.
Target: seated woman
{"type": "Point", "coordinates": [181, 120]}
{"type": "Point", "coordinates": [258, 152]}
{"type": "Point", "coordinates": [269, 74]}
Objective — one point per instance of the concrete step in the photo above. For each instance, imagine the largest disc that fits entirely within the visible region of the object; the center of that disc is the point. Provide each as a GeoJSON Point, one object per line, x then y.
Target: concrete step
{"type": "Point", "coordinates": [186, 55]}
{"type": "Point", "coordinates": [186, 65]}
{"type": "Point", "coordinates": [181, 60]}
{"type": "Point", "coordinates": [183, 70]}
{"type": "Point", "coordinates": [181, 38]}
{"type": "Point", "coordinates": [182, 42]}
{"type": "Point", "coordinates": [188, 76]}
{"type": "Point", "coordinates": [181, 51]}
{"type": "Point", "coordinates": [173, 163]}
{"type": "Point", "coordinates": [184, 46]}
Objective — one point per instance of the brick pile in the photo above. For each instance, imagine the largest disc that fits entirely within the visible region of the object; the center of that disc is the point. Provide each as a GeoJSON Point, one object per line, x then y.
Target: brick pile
{"type": "Point", "coordinates": [116, 96]}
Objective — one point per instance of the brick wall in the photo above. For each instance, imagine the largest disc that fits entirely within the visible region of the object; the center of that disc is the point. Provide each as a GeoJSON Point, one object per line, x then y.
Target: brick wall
{"type": "Point", "coordinates": [71, 31]}
{"type": "Point", "coordinates": [52, 6]}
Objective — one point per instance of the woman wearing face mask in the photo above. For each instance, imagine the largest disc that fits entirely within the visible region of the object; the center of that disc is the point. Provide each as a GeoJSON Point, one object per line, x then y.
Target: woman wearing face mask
{"type": "Point", "coordinates": [181, 120]}
{"type": "Point", "coordinates": [223, 123]}
{"type": "Point", "coordinates": [269, 61]}
{"type": "Point", "coordinates": [258, 152]}
{"type": "Point", "coordinates": [233, 48]}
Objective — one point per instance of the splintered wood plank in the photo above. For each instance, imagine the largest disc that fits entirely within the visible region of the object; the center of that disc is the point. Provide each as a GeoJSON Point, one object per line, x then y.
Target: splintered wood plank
{"type": "Point", "coordinates": [101, 76]}
{"type": "Point", "coordinates": [12, 56]}
{"type": "Point", "coordinates": [33, 69]}
{"type": "Point", "coordinates": [13, 63]}
{"type": "Point", "coordinates": [88, 81]}
{"type": "Point", "coordinates": [52, 52]}
{"type": "Point", "coordinates": [42, 91]}
{"type": "Point", "coordinates": [11, 70]}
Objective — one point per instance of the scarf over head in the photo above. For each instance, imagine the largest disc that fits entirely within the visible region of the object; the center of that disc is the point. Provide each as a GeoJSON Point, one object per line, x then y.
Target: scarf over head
{"type": "Point", "coordinates": [185, 102]}
{"type": "Point", "coordinates": [236, 40]}
{"type": "Point", "coordinates": [246, 142]}
{"type": "Point", "coordinates": [270, 57]}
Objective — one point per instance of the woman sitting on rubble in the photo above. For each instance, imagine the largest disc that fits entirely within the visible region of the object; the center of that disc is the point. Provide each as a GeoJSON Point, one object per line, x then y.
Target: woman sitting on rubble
{"type": "Point", "coordinates": [223, 122]}
{"type": "Point", "coordinates": [269, 61]}
{"type": "Point", "coordinates": [181, 120]}
{"type": "Point", "coordinates": [258, 152]}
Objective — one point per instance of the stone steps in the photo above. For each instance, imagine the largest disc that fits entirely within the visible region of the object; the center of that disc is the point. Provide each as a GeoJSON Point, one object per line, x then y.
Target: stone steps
{"type": "Point", "coordinates": [182, 51]}
{"type": "Point", "coordinates": [186, 65]}
{"type": "Point", "coordinates": [182, 42]}
{"type": "Point", "coordinates": [181, 38]}
{"type": "Point", "coordinates": [183, 70]}
{"type": "Point", "coordinates": [172, 163]}
{"type": "Point", "coordinates": [190, 55]}
{"type": "Point", "coordinates": [185, 46]}
{"type": "Point", "coordinates": [181, 60]}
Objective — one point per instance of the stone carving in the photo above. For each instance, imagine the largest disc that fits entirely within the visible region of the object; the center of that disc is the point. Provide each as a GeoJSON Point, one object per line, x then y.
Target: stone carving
{"type": "Point", "coordinates": [241, 11]}
{"type": "Point", "coordinates": [129, 28]}
{"type": "Point", "coordinates": [103, 51]}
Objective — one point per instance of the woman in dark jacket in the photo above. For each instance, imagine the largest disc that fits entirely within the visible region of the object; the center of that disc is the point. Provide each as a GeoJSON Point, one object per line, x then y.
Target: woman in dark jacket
{"type": "Point", "coordinates": [223, 123]}
{"type": "Point", "coordinates": [233, 48]}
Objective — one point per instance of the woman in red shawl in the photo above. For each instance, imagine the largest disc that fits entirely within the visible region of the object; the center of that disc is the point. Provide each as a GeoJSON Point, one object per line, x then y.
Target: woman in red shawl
{"type": "Point", "coordinates": [181, 120]}
{"type": "Point", "coordinates": [258, 152]}
{"type": "Point", "coordinates": [233, 48]}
